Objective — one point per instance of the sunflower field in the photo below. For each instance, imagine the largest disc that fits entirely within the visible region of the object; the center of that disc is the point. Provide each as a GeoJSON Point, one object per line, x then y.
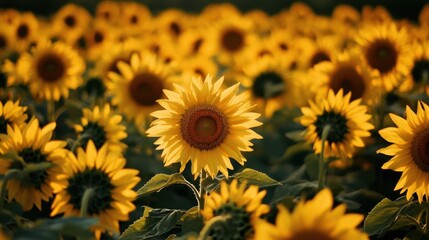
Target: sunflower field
{"type": "Point", "coordinates": [128, 123]}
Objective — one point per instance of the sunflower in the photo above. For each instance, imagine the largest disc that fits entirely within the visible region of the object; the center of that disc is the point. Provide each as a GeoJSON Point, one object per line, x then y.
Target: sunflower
{"type": "Point", "coordinates": [6, 40]}
{"type": "Point", "coordinates": [25, 31]}
{"type": "Point", "coordinates": [346, 72]}
{"type": "Point", "coordinates": [385, 50]}
{"type": "Point", "coordinates": [204, 124]}
{"type": "Point", "coordinates": [70, 23]}
{"type": "Point", "coordinates": [270, 84]}
{"type": "Point", "coordinates": [139, 85]}
{"type": "Point", "coordinates": [324, 48]}
{"type": "Point", "coordinates": [109, 12]}
{"type": "Point", "coordinates": [198, 66]}
{"type": "Point", "coordinates": [217, 11]}
{"type": "Point", "coordinates": [408, 148]}
{"type": "Point", "coordinates": [424, 16]}
{"type": "Point", "coordinates": [135, 18]}
{"type": "Point", "coordinates": [11, 113]}
{"type": "Point", "coordinates": [242, 204]}
{"type": "Point", "coordinates": [196, 42]}
{"type": "Point", "coordinates": [376, 15]}
{"type": "Point", "coordinates": [349, 122]}
{"type": "Point", "coordinates": [9, 17]}
{"type": "Point", "coordinates": [52, 69]}
{"type": "Point", "coordinates": [99, 39]}
{"type": "Point", "coordinates": [104, 172]}
{"type": "Point", "coordinates": [346, 14]}
{"type": "Point", "coordinates": [173, 22]}
{"type": "Point", "coordinates": [103, 127]}
{"type": "Point", "coordinates": [313, 219]}
{"type": "Point", "coordinates": [33, 145]}
{"type": "Point", "coordinates": [419, 71]}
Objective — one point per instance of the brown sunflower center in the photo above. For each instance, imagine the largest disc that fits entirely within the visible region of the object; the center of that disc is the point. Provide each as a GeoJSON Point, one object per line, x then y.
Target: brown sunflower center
{"type": "Point", "coordinates": [318, 57]}
{"type": "Point", "coordinates": [3, 42]}
{"type": "Point", "coordinates": [199, 72]}
{"type": "Point", "coordinates": [197, 45]}
{"type": "Point", "coordinates": [232, 40]}
{"type": "Point", "coordinates": [175, 28]}
{"type": "Point", "coordinates": [98, 37]}
{"type": "Point", "coordinates": [134, 19]}
{"type": "Point", "coordinates": [238, 225]}
{"type": "Point", "coordinates": [51, 67]}
{"type": "Point", "coordinates": [382, 55]}
{"type": "Point", "coordinates": [146, 88]}
{"type": "Point", "coordinates": [70, 21]}
{"type": "Point", "coordinates": [420, 71]}
{"type": "Point", "coordinates": [204, 127]}
{"type": "Point", "coordinates": [22, 31]}
{"type": "Point", "coordinates": [283, 46]}
{"type": "Point", "coordinates": [311, 234]}
{"type": "Point", "coordinates": [347, 78]}
{"type": "Point", "coordinates": [420, 150]}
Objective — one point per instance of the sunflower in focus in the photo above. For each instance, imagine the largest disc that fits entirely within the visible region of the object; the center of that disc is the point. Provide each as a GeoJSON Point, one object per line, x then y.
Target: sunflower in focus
{"type": "Point", "coordinates": [12, 114]}
{"type": "Point", "coordinates": [51, 70]}
{"type": "Point", "coordinates": [313, 219]}
{"type": "Point", "coordinates": [103, 127]}
{"type": "Point", "coordinates": [204, 124]}
{"type": "Point", "coordinates": [348, 120]}
{"type": "Point", "coordinates": [139, 85]}
{"type": "Point", "coordinates": [104, 172]}
{"type": "Point", "coordinates": [25, 31]}
{"type": "Point", "coordinates": [419, 72]}
{"type": "Point", "coordinates": [70, 23]}
{"type": "Point", "coordinates": [385, 50]}
{"type": "Point", "coordinates": [243, 205]}
{"type": "Point", "coordinates": [408, 150]}
{"type": "Point", "coordinates": [33, 145]}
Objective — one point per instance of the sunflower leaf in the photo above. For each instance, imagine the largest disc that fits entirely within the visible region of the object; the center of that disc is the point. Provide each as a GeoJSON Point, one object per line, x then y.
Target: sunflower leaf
{"type": "Point", "coordinates": [253, 177]}
{"type": "Point", "coordinates": [160, 222]}
{"type": "Point", "coordinates": [384, 214]}
{"type": "Point", "coordinates": [160, 181]}
{"type": "Point", "coordinates": [136, 228]}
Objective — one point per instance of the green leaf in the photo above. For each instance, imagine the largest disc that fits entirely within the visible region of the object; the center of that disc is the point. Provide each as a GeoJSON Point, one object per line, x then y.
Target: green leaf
{"type": "Point", "coordinates": [160, 221]}
{"type": "Point", "coordinates": [295, 188]}
{"type": "Point", "coordinates": [160, 181]}
{"type": "Point", "coordinates": [312, 166]}
{"type": "Point", "coordinates": [253, 177]}
{"type": "Point", "coordinates": [192, 221]}
{"type": "Point", "coordinates": [297, 136]}
{"type": "Point", "coordinates": [383, 215]}
{"type": "Point", "coordinates": [138, 225]}
{"type": "Point", "coordinates": [416, 235]}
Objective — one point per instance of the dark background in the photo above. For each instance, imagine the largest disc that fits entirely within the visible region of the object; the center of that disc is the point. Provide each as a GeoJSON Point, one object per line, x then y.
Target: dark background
{"type": "Point", "coordinates": [398, 8]}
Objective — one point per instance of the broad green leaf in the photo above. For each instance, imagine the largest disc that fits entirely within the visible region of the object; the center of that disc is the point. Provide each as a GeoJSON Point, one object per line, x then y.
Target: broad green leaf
{"type": "Point", "coordinates": [312, 166]}
{"type": "Point", "coordinates": [383, 215]}
{"type": "Point", "coordinates": [416, 235]}
{"type": "Point", "coordinates": [253, 177]}
{"type": "Point", "coordinates": [135, 228]}
{"type": "Point", "coordinates": [160, 221]}
{"type": "Point", "coordinates": [295, 188]}
{"type": "Point", "coordinates": [160, 181]}
{"type": "Point", "coordinates": [297, 136]}
{"type": "Point", "coordinates": [192, 221]}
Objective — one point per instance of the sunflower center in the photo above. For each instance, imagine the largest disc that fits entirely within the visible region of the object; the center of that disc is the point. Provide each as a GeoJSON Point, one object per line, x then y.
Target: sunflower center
{"type": "Point", "coordinates": [347, 78]}
{"type": "Point", "coordinates": [35, 178]}
{"type": "Point", "coordinates": [134, 19]}
{"type": "Point", "coordinates": [146, 88]}
{"type": "Point", "coordinates": [22, 31]}
{"type": "Point", "coordinates": [199, 72]}
{"type": "Point", "coordinates": [3, 42]}
{"type": "Point", "coordinates": [420, 150]}
{"type": "Point", "coordinates": [3, 124]}
{"type": "Point", "coordinates": [175, 28]}
{"type": "Point", "coordinates": [204, 127]}
{"type": "Point", "coordinates": [70, 21]}
{"type": "Point", "coordinates": [311, 234]}
{"type": "Point", "coordinates": [95, 179]}
{"type": "Point", "coordinates": [264, 81]}
{"type": "Point", "coordinates": [197, 45]}
{"type": "Point", "coordinates": [283, 46]}
{"type": "Point", "coordinates": [382, 56]}
{"type": "Point", "coordinates": [232, 40]}
{"type": "Point", "coordinates": [114, 65]}
{"type": "Point", "coordinates": [420, 70]}
{"type": "Point", "coordinates": [318, 57]}
{"type": "Point", "coordinates": [51, 67]}
{"type": "Point", "coordinates": [95, 133]}
{"type": "Point", "coordinates": [338, 125]}
{"type": "Point", "coordinates": [238, 225]}
{"type": "Point", "coordinates": [98, 37]}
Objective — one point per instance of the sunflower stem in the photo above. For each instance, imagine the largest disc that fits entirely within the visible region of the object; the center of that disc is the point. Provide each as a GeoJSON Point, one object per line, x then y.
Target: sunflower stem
{"type": "Point", "coordinates": [322, 166]}
{"type": "Point", "coordinates": [195, 191]}
{"type": "Point", "coordinates": [381, 111]}
{"type": "Point", "coordinates": [51, 110]}
{"type": "Point", "coordinates": [9, 174]}
{"type": "Point", "coordinates": [78, 141]}
{"type": "Point", "coordinates": [201, 191]}
{"type": "Point", "coordinates": [220, 220]}
{"type": "Point", "coordinates": [85, 201]}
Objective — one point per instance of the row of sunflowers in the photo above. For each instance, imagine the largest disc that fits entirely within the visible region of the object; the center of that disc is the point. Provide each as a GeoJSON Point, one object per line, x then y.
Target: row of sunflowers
{"type": "Point", "coordinates": [225, 124]}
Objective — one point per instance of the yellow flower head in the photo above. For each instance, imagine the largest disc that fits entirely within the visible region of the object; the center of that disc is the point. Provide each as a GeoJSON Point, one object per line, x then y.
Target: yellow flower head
{"type": "Point", "coordinates": [348, 123]}
{"type": "Point", "coordinates": [409, 143]}
{"type": "Point", "coordinates": [11, 113]}
{"type": "Point", "coordinates": [243, 207]}
{"type": "Point", "coordinates": [313, 219]}
{"type": "Point", "coordinates": [204, 124]}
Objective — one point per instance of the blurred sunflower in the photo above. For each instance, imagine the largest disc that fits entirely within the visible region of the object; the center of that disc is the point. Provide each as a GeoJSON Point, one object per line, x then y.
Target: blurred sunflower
{"type": "Point", "coordinates": [112, 184]}
{"type": "Point", "coordinates": [242, 204]}
{"type": "Point", "coordinates": [198, 67]}
{"type": "Point", "coordinates": [11, 114]}
{"type": "Point", "coordinates": [270, 84]}
{"type": "Point", "coordinates": [217, 11]}
{"type": "Point", "coordinates": [52, 69]}
{"type": "Point", "coordinates": [346, 14]}
{"type": "Point", "coordinates": [323, 48]}
{"type": "Point", "coordinates": [281, 41]}
{"type": "Point", "coordinates": [419, 72]}
{"type": "Point", "coordinates": [408, 150]}
{"type": "Point", "coordinates": [196, 42]}
{"type": "Point", "coordinates": [376, 15]}
{"type": "Point", "coordinates": [349, 123]}
{"type": "Point", "coordinates": [204, 124]}
{"type": "Point", "coordinates": [109, 12]}
{"type": "Point", "coordinates": [173, 22]}
{"type": "Point", "coordinates": [103, 127]}
{"type": "Point", "coordinates": [424, 16]}
{"type": "Point", "coordinates": [135, 18]}
{"type": "Point", "coordinates": [385, 49]}
{"type": "Point", "coordinates": [9, 17]}
{"type": "Point", "coordinates": [99, 39]}
{"type": "Point", "coordinates": [305, 222]}
{"type": "Point", "coordinates": [33, 145]}
{"type": "Point", "coordinates": [25, 31]}
{"type": "Point", "coordinates": [139, 85]}
{"type": "Point", "coordinates": [70, 23]}
{"type": "Point", "coordinates": [6, 40]}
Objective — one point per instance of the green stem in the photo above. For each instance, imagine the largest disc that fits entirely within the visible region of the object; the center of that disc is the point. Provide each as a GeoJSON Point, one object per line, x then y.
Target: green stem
{"type": "Point", "coordinates": [201, 191]}
{"type": "Point", "coordinates": [322, 165]}
{"type": "Point", "coordinates": [195, 191]}
{"type": "Point", "coordinates": [51, 110]}
{"type": "Point", "coordinates": [381, 110]}
{"type": "Point", "coordinates": [85, 201]}
{"type": "Point", "coordinates": [78, 141]}
{"type": "Point", "coordinates": [9, 175]}
{"type": "Point", "coordinates": [216, 221]}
